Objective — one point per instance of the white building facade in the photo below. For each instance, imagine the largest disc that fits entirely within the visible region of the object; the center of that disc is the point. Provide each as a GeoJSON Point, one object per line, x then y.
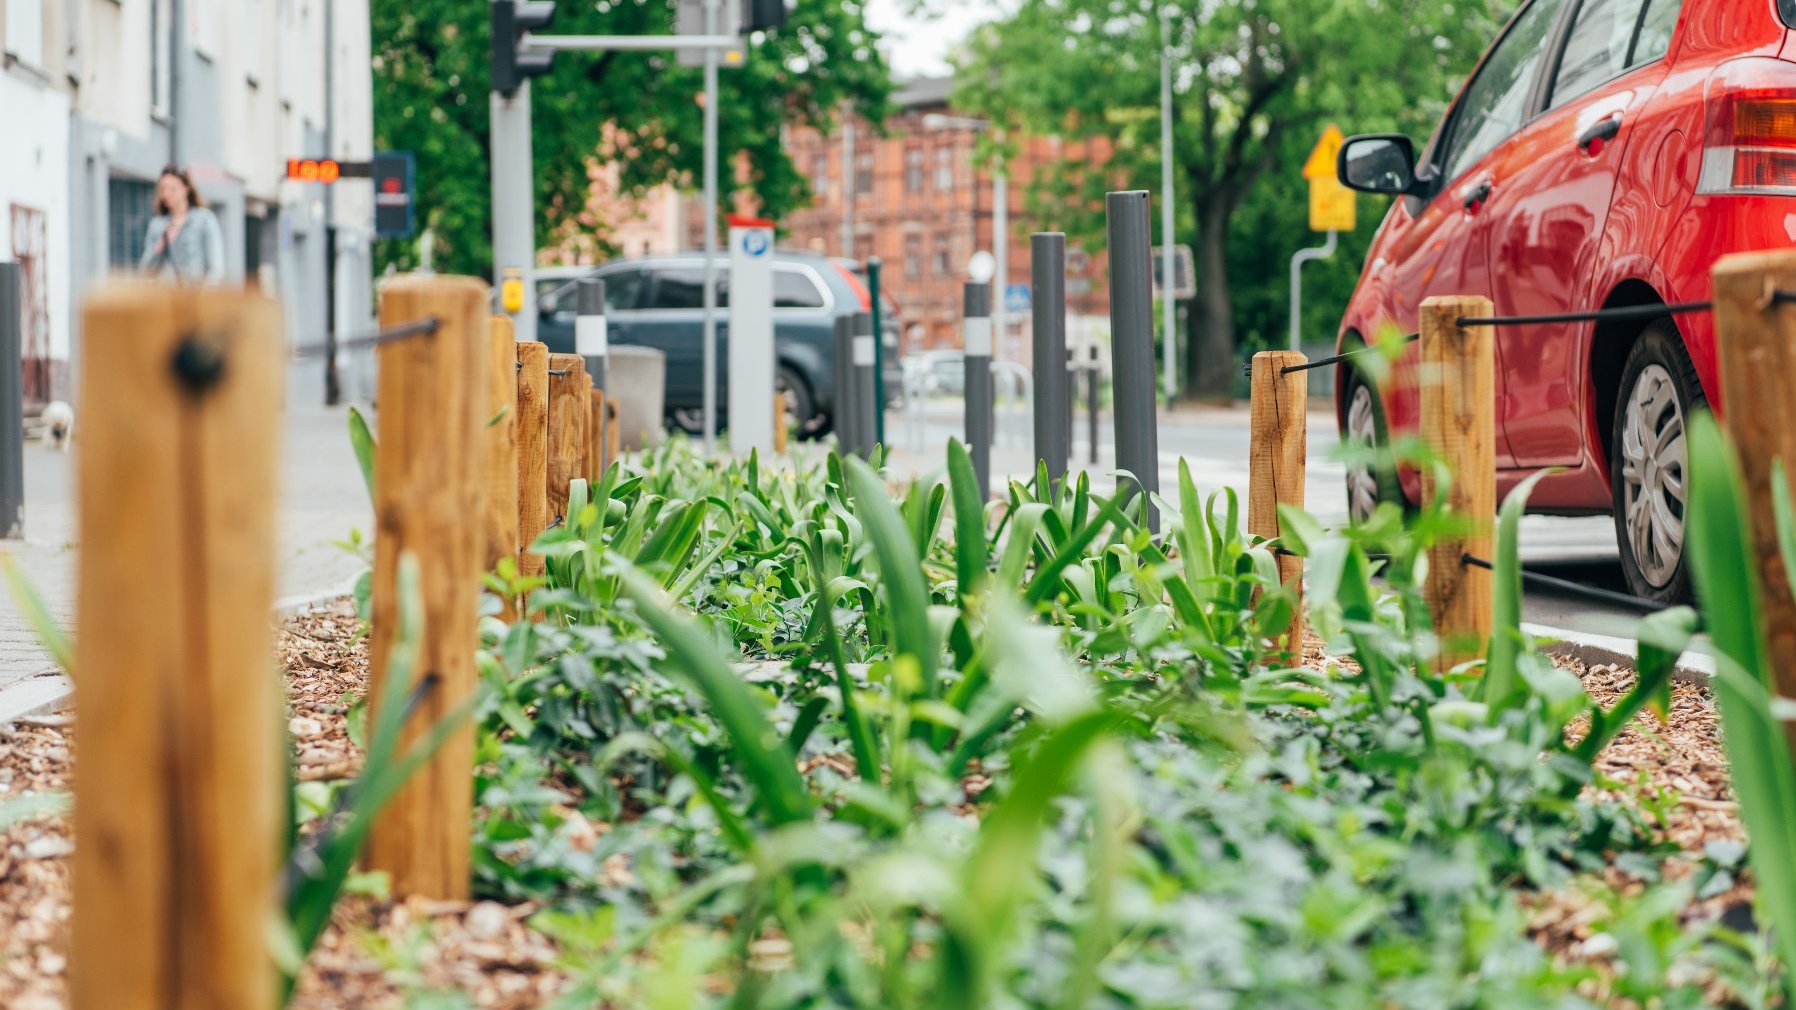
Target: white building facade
{"type": "Point", "coordinates": [96, 96]}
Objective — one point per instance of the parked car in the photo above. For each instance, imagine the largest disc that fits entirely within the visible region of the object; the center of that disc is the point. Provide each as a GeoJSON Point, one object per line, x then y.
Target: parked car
{"type": "Point", "coordinates": [658, 302]}
{"type": "Point", "coordinates": [1603, 153]}
{"type": "Point", "coordinates": [936, 372]}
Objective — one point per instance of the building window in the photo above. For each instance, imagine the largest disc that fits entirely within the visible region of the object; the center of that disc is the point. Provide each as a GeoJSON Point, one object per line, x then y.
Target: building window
{"type": "Point", "coordinates": [944, 168]}
{"type": "Point", "coordinates": [863, 174]}
{"type": "Point", "coordinates": [130, 205]}
{"type": "Point", "coordinates": [913, 170]}
{"type": "Point", "coordinates": [943, 257]}
{"type": "Point", "coordinates": [913, 255]}
{"type": "Point", "coordinates": [820, 174]}
{"type": "Point", "coordinates": [25, 31]}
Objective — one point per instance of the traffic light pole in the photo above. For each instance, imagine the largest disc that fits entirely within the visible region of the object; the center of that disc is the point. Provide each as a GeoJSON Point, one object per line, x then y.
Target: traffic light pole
{"type": "Point", "coordinates": [514, 202]}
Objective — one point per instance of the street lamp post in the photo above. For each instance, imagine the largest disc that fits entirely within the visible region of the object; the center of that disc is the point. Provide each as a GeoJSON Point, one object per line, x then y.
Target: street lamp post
{"type": "Point", "coordinates": [1168, 300]}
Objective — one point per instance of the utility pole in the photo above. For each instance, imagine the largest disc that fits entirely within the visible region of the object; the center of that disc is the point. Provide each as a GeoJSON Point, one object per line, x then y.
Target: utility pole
{"type": "Point", "coordinates": [1168, 299]}
{"type": "Point", "coordinates": [847, 181]}
{"type": "Point", "coordinates": [514, 183]}
{"type": "Point", "coordinates": [710, 369]}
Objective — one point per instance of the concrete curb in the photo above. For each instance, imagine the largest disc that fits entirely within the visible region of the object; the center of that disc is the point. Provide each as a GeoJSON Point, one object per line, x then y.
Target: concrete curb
{"type": "Point", "coordinates": [50, 689]}
{"type": "Point", "coordinates": [1692, 667]}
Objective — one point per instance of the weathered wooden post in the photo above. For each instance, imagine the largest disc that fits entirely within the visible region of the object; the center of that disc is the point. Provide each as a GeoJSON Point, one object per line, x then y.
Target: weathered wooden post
{"type": "Point", "coordinates": [428, 468]}
{"type": "Point", "coordinates": [613, 434]}
{"type": "Point", "coordinates": [1277, 449]}
{"type": "Point", "coordinates": [533, 451]}
{"type": "Point", "coordinates": [1756, 348]}
{"type": "Point", "coordinates": [1458, 423]}
{"type": "Point", "coordinates": [500, 413]}
{"type": "Point", "coordinates": [567, 427]}
{"type": "Point", "coordinates": [178, 790]}
{"type": "Point", "coordinates": [779, 422]}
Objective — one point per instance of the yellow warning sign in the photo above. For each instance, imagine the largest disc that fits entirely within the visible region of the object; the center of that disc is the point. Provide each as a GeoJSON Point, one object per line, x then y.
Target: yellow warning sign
{"type": "Point", "coordinates": [1332, 205]}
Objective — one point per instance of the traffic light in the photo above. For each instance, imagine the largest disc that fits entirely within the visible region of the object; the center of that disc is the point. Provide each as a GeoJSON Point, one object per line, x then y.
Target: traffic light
{"type": "Point", "coordinates": [762, 15]}
{"type": "Point", "coordinates": [512, 63]}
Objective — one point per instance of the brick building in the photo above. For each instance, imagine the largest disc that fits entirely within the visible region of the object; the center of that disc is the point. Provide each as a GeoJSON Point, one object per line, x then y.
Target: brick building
{"type": "Point", "coordinates": [915, 199]}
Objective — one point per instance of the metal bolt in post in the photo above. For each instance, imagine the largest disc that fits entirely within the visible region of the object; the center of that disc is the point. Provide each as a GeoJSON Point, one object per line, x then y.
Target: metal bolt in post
{"type": "Point", "coordinates": [978, 381]}
{"type": "Point", "coordinates": [1053, 405]}
{"type": "Point", "coordinates": [591, 337]}
{"type": "Point", "coordinates": [865, 391]}
{"type": "Point", "coordinates": [12, 402]}
{"type": "Point", "coordinates": [843, 410]}
{"type": "Point", "coordinates": [1132, 346]}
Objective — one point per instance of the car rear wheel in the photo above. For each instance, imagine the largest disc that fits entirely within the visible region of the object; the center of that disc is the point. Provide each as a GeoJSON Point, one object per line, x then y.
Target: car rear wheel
{"type": "Point", "coordinates": [1647, 464]}
{"type": "Point", "coordinates": [801, 409]}
{"type": "Point", "coordinates": [1367, 485]}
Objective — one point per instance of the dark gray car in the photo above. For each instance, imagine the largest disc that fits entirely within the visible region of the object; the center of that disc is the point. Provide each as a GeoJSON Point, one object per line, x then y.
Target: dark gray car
{"type": "Point", "coordinates": [658, 301]}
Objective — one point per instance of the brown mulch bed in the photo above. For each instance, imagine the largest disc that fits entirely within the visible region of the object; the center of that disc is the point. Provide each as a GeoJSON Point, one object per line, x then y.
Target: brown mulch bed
{"type": "Point", "coordinates": [378, 952]}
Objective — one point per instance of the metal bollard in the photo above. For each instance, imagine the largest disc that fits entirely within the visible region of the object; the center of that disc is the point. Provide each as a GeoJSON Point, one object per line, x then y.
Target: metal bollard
{"type": "Point", "coordinates": [843, 412]}
{"type": "Point", "coordinates": [591, 340]}
{"type": "Point", "coordinates": [12, 402]}
{"type": "Point", "coordinates": [978, 382]}
{"type": "Point", "coordinates": [1132, 346]}
{"type": "Point", "coordinates": [1053, 393]}
{"type": "Point", "coordinates": [1091, 405]}
{"type": "Point", "coordinates": [879, 352]}
{"type": "Point", "coordinates": [867, 407]}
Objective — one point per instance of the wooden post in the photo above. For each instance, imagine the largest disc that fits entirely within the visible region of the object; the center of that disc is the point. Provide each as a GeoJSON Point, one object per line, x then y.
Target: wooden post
{"type": "Point", "coordinates": [178, 789]}
{"type": "Point", "coordinates": [533, 451]}
{"type": "Point", "coordinates": [613, 434]}
{"type": "Point", "coordinates": [595, 437]}
{"type": "Point", "coordinates": [500, 415]}
{"type": "Point", "coordinates": [428, 469]}
{"type": "Point", "coordinates": [567, 427]}
{"type": "Point", "coordinates": [1277, 454]}
{"type": "Point", "coordinates": [779, 422]}
{"type": "Point", "coordinates": [1459, 426]}
{"type": "Point", "coordinates": [1756, 350]}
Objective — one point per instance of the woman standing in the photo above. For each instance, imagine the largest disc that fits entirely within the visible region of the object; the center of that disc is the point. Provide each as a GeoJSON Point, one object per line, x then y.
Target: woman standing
{"type": "Point", "coordinates": [184, 243]}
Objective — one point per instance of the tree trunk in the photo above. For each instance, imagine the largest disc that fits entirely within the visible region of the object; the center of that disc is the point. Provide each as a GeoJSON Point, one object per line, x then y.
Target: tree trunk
{"type": "Point", "coordinates": [1210, 326]}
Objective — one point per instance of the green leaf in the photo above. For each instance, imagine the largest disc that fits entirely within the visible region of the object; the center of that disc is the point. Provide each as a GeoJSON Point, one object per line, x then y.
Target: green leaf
{"type": "Point", "coordinates": [362, 439]}
{"type": "Point", "coordinates": [901, 575]}
{"type": "Point", "coordinates": [971, 551]}
{"type": "Point", "coordinates": [31, 606]}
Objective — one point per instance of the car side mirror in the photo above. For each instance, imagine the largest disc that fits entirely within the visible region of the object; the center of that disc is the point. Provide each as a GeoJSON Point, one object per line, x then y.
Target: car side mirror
{"type": "Point", "coordinates": [1378, 163]}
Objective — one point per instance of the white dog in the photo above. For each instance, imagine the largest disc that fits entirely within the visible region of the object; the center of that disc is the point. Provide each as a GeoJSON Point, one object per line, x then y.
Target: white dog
{"type": "Point", "coordinates": [59, 425]}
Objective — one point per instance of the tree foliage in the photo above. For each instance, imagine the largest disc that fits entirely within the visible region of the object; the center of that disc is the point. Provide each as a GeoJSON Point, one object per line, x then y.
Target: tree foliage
{"type": "Point", "coordinates": [1254, 83]}
{"type": "Point", "coordinates": [641, 111]}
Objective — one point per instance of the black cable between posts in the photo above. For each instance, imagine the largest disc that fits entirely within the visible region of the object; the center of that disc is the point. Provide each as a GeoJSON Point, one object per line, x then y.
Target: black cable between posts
{"type": "Point", "coordinates": [1597, 593]}
{"type": "Point", "coordinates": [405, 331]}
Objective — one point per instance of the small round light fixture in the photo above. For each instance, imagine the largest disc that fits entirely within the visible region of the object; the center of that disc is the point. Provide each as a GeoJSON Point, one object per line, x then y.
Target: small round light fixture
{"type": "Point", "coordinates": [982, 266]}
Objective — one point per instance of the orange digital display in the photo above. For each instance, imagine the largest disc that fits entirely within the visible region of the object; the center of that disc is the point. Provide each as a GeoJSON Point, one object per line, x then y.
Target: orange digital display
{"type": "Point", "coordinates": [314, 170]}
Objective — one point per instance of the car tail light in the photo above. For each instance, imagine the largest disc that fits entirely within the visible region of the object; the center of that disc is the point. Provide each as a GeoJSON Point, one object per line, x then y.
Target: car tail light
{"type": "Point", "coordinates": [1749, 139]}
{"type": "Point", "coordinates": [854, 282]}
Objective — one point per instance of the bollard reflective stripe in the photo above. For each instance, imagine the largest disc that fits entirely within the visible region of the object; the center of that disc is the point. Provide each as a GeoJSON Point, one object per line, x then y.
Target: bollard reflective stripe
{"type": "Point", "coordinates": [591, 332]}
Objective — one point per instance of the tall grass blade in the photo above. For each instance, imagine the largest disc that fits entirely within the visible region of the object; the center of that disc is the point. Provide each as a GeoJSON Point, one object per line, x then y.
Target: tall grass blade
{"type": "Point", "coordinates": [31, 606]}
{"type": "Point", "coordinates": [1724, 566]}
{"type": "Point", "coordinates": [907, 594]}
{"type": "Point", "coordinates": [971, 552]}
{"type": "Point", "coordinates": [361, 438]}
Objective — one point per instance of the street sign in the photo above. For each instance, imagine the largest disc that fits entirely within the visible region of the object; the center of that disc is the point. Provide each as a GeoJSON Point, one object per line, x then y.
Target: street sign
{"type": "Point", "coordinates": [392, 173]}
{"type": "Point", "coordinates": [1333, 206]}
{"type": "Point", "coordinates": [751, 361]}
{"type": "Point", "coordinates": [1184, 272]}
{"type": "Point", "coordinates": [689, 19]}
{"type": "Point", "coordinates": [1017, 298]}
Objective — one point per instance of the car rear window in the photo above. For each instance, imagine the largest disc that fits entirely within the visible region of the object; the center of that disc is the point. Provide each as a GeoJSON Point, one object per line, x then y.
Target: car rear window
{"type": "Point", "coordinates": [795, 289]}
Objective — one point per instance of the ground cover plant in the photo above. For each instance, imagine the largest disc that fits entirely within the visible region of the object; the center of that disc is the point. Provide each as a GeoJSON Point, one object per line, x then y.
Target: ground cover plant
{"type": "Point", "coordinates": [790, 737]}
{"type": "Point", "coordinates": [803, 736]}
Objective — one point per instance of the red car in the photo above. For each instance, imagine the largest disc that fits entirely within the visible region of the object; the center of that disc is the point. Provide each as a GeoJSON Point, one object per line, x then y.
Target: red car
{"type": "Point", "coordinates": [1604, 153]}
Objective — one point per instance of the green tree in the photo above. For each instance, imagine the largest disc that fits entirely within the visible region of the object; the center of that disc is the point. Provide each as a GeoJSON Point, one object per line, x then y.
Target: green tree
{"type": "Point", "coordinates": [1255, 82]}
{"type": "Point", "coordinates": [640, 110]}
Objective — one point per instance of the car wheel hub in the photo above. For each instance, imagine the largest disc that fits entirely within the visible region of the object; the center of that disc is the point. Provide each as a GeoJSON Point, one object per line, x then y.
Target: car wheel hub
{"type": "Point", "coordinates": [1362, 427]}
{"type": "Point", "coordinates": [1652, 475]}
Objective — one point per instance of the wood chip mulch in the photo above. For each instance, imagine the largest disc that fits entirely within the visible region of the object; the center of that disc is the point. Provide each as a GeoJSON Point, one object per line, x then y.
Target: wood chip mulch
{"type": "Point", "coordinates": [377, 954]}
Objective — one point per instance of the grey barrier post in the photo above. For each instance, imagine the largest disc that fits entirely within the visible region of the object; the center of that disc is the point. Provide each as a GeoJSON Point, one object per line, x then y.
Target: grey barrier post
{"type": "Point", "coordinates": [1091, 405]}
{"type": "Point", "coordinates": [12, 402]}
{"type": "Point", "coordinates": [847, 439]}
{"type": "Point", "coordinates": [1053, 402]}
{"type": "Point", "coordinates": [591, 339]}
{"type": "Point", "coordinates": [867, 411]}
{"type": "Point", "coordinates": [1132, 347]}
{"type": "Point", "coordinates": [978, 381]}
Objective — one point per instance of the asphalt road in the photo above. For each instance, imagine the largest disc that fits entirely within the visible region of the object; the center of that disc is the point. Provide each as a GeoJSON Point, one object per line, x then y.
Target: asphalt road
{"type": "Point", "coordinates": [1214, 442]}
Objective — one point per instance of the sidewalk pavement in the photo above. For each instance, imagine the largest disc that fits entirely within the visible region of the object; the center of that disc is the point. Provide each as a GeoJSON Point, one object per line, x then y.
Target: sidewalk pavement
{"type": "Point", "coordinates": [321, 499]}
